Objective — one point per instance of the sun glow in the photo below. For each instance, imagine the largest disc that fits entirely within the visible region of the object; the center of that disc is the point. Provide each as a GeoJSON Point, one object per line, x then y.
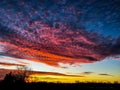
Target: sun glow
{"type": "Point", "coordinates": [53, 78]}
{"type": "Point", "coordinates": [66, 79]}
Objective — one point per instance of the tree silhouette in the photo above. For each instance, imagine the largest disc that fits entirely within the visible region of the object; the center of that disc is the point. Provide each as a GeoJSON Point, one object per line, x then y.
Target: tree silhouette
{"type": "Point", "coordinates": [22, 73]}
{"type": "Point", "coordinates": [9, 78]}
{"type": "Point", "coordinates": [17, 77]}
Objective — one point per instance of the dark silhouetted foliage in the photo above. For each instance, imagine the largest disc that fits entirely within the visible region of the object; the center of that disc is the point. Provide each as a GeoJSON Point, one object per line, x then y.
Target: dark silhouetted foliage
{"type": "Point", "coordinates": [60, 86]}
{"type": "Point", "coordinates": [9, 78]}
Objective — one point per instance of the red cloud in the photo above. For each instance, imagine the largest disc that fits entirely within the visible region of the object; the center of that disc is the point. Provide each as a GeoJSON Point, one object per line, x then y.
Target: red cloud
{"type": "Point", "coordinates": [53, 46]}
{"type": "Point", "coordinates": [10, 64]}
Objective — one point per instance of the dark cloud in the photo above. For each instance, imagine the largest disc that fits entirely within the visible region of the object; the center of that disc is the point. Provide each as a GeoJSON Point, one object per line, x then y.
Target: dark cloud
{"type": "Point", "coordinates": [54, 32]}
{"type": "Point", "coordinates": [104, 74]}
{"type": "Point", "coordinates": [87, 73]}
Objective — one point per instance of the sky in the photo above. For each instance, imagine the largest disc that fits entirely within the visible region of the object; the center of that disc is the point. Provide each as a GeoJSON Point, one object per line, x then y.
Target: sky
{"type": "Point", "coordinates": [78, 39]}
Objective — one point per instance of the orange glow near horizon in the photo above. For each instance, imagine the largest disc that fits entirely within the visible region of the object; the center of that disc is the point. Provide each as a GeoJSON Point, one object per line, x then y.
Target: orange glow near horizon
{"type": "Point", "coordinates": [71, 74]}
{"type": "Point", "coordinates": [68, 79]}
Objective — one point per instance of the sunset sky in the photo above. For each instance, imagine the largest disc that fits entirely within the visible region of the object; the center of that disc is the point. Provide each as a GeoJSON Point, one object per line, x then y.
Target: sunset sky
{"type": "Point", "coordinates": [63, 40]}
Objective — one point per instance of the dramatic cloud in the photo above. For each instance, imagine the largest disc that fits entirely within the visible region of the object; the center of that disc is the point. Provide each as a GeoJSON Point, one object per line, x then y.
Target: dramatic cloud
{"type": "Point", "coordinates": [51, 33]}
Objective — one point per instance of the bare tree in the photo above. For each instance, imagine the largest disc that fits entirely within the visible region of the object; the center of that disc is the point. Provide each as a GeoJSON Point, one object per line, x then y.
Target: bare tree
{"type": "Point", "coordinates": [22, 73]}
{"type": "Point", "coordinates": [18, 76]}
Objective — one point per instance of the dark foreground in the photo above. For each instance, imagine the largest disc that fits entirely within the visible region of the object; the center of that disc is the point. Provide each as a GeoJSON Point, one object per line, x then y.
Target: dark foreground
{"type": "Point", "coordinates": [59, 86]}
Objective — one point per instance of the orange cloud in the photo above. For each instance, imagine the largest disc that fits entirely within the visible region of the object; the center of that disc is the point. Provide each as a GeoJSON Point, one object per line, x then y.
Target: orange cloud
{"type": "Point", "coordinates": [39, 56]}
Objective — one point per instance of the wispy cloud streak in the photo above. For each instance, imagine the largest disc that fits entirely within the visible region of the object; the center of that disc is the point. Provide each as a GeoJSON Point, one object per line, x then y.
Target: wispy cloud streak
{"type": "Point", "coordinates": [104, 74]}
{"type": "Point", "coordinates": [10, 64]}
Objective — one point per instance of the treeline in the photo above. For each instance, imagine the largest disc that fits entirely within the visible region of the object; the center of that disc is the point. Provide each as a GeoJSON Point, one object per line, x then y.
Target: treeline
{"type": "Point", "coordinates": [17, 82]}
{"type": "Point", "coordinates": [58, 86]}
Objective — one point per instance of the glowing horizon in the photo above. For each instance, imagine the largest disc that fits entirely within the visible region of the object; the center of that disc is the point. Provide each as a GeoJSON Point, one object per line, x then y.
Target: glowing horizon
{"type": "Point", "coordinates": [68, 74]}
